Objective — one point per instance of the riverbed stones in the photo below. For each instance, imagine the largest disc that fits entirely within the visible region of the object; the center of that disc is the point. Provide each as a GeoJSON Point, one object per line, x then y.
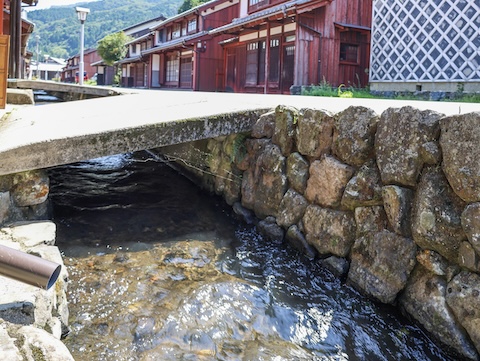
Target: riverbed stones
{"type": "Point", "coordinates": [297, 240]}
{"type": "Point", "coordinates": [327, 181]}
{"type": "Point", "coordinates": [401, 133]}
{"type": "Point", "coordinates": [331, 232]}
{"type": "Point", "coordinates": [269, 228]}
{"type": "Point", "coordinates": [397, 202]}
{"type": "Point", "coordinates": [463, 297]}
{"type": "Point", "coordinates": [354, 135]}
{"type": "Point", "coordinates": [460, 143]}
{"type": "Point", "coordinates": [381, 264]}
{"type": "Point", "coordinates": [436, 215]}
{"type": "Point", "coordinates": [314, 133]}
{"type": "Point", "coordinates": [424, 299]}
{"type": "Point", "coordinates": [364, 189]}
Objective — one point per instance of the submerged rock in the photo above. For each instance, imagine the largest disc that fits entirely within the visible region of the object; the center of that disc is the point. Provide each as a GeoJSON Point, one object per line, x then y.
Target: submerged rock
{"type": "Point", "coordinates": [296, 238]}
{"type": "Point", "coordinates": [424, 299]}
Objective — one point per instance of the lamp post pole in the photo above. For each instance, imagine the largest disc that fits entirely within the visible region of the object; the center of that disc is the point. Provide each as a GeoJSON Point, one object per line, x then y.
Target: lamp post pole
{"type": "Point", "coordinates": [82, 16]}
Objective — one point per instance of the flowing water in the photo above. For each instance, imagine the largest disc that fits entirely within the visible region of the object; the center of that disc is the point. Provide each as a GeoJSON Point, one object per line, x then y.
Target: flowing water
{"type": "Point", "coordinates": [159, 270]}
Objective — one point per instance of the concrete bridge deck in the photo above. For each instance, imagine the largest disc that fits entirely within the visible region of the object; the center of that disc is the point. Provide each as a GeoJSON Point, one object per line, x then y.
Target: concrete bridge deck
{"type": "Point", "coordinates": [34, 137]}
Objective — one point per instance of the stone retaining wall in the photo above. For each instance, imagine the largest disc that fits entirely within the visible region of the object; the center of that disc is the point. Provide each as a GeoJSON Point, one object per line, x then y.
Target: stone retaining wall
{"type": "Point", "coordinates": [390, 201]}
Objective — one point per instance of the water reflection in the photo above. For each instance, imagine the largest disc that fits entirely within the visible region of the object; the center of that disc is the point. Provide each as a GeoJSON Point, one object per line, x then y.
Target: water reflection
{"type": "Point", "coordinates": [161, 271]}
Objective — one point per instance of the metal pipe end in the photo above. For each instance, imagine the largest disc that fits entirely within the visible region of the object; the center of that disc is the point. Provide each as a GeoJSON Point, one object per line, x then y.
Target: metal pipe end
{"type": "Point", "coordinates": [53, 278]}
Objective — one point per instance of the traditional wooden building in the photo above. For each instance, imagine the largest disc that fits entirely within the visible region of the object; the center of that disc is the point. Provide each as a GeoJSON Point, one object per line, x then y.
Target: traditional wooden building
{"type": "Point", "coordinates": [275, 44]}
{"type": "Point", "coordinates": [179, 52]}
{"type": "Point", "coordinates": [70, 71]}
{"type": "Point", "coordinates": [429, 45]}
{"type": "Point", "coordinates": [19, 30]}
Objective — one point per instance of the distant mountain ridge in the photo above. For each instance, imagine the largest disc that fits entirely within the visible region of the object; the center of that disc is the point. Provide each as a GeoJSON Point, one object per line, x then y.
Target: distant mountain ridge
{"type": "Point", "coordinates": [59, 29]}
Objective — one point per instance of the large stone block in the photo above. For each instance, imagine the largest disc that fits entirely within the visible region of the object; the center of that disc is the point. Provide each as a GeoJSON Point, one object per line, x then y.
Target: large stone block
{"type": "Point", "coordinates": [327, 181]}
{"type": "Point", "coordinates": [297, 172]}
{"type": "Point", "coordinates": [354, 135]}
{"type": "Point", "coordinates": [463, 297]}
{"type": "Point", "coordinates": [284, 134]}
{"type": "Point", "coordinates": [436, 215]}
{"type": "Point", "coordinates": [329, 231]}
{"type": "Point", "coordinates": [314, 133]}
{"type": "Point", "coordinates": [401, 135]}
{"type": "Point", "coordinates": [265, 184]}
{"type": "Point", "coordinates": [460, 143]}
{"type": "Point", "coordinates": [397, 202]}
{"type": "Point", "coordinates": [381, 264]}
{"type": "Point", "coordinates": [291, 208]}
{"type": "Point", "coordinates": [471, 224]}
{"type": "Point", "coordinates": [364, 189]}
{"type": "Point", "coordinates": [30, 188]}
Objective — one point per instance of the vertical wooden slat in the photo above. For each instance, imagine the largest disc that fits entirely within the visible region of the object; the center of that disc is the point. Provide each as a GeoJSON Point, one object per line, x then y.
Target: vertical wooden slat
{"type": "Point", "coordinates": [4, 47]}
{"type": "Point", "coordinates": [2, 5]}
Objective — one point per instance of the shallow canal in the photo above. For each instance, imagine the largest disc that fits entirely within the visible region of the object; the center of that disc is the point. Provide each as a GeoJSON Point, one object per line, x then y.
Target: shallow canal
{"type": "Point", "coordinates": [160, 270]}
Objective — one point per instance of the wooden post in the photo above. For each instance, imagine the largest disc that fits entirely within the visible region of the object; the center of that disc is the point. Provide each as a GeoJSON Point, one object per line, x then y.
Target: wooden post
{"type": "Point", "coordinates": [4, 47]}
{"type": "Point", "coordinates": [2, 5]}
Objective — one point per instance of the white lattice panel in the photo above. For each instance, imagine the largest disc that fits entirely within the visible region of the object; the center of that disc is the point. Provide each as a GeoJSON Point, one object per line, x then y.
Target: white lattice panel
{"type": "Point", "coordinates": [425, 40]}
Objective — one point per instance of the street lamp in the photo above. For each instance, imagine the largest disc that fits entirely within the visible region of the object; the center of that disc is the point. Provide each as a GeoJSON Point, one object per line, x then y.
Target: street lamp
{"type": "Point", "coordinates": [82, 16]}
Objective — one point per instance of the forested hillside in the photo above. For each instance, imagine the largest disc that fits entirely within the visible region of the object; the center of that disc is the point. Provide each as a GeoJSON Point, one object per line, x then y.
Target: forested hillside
{"type": "Point", "coordinates": [59, 28]}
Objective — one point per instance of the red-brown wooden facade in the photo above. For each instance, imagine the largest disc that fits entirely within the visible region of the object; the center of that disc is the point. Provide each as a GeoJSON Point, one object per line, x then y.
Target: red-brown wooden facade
{"type": "Point", "coordinates": [257, 46]}
{"type": "Point", "coordinates": [179, 53]}
{"type": "Point", "coordinates": [277, 44]}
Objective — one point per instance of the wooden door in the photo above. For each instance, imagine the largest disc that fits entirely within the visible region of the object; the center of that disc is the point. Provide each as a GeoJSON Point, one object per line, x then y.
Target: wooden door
{"type": "Point", "coordinates": [230, 85]}
{"type": "Point", "coordinates": [288, 67]}
{"type": "Point", "coordinates": [186, 72]}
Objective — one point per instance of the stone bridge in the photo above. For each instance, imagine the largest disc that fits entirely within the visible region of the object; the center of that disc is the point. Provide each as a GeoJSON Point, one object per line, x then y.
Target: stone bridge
{"type": "Point", "coordinates": [61, 133]}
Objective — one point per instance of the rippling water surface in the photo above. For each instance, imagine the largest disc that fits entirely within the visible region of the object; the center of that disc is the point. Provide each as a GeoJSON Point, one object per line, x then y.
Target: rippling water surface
{"type": "Point", "coordinates": [160, 270]}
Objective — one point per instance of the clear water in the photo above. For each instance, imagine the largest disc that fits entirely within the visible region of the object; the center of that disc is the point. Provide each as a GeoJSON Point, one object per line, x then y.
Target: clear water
{"type": "Point", "coordinates": [159, 270]}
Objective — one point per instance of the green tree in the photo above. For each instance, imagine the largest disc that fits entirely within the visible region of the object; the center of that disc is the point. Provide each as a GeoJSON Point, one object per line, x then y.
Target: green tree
{"type": "Point", "coordinates": [188, 4]}
{"type": "Point", "coordinates": [112, 47]}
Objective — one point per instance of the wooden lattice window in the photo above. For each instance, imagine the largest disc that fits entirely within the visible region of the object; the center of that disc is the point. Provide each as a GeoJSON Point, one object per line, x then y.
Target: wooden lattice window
{"type": "Point", "coordinates": [349, 53]}
{"type": "Point", "coordinates": [172, 68]}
